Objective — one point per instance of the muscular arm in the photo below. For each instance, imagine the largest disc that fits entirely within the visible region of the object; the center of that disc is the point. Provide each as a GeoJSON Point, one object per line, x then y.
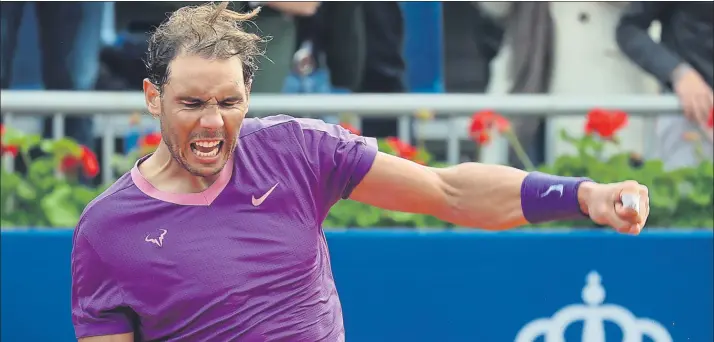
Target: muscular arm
{"type": "Point", "coordinates": [469, 194]}
{"type": "Point", "coordinates": [109, 338]}
{"type": "Point", "coordinates": [634, 40]}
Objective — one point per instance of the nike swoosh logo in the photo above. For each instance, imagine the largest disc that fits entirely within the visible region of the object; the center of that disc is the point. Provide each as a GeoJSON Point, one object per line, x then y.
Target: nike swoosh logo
{"type": "Point", "coordinates": [258, 201]}
{"type": "Point", "coordinates": [557, 187]}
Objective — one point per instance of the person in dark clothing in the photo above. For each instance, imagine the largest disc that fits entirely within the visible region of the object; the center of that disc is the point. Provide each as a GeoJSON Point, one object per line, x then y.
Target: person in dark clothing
{"type": "Point", "coordinates": [362, 44]}
{"type": "Point", "coordinates": [69, 42]}
{"type": "Point", "coordinates": [682, 62]}
{"type": "Point", "coordinates": [472, 40]}
{"type": "Point", "coordinates": [337, 39]}
{"type": "Point", "coordinates": [384, 66]}
{"type": "Point", "coordinates": [276, 20]}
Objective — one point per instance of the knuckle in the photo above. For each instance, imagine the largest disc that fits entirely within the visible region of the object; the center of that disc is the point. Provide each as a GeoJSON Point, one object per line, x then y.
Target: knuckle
{"type": "Point", "coordinates": [630, 183]}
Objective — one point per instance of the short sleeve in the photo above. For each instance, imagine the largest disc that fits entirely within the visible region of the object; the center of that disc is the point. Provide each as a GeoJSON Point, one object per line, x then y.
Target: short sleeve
{"type": "Point", "coordinates": [342, 158]}
{"type": "Point", "coordinates": [98, 307]}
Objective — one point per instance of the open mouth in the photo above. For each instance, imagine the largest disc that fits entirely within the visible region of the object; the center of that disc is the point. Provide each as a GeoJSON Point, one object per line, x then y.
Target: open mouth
{"type": "Point", "coordinates": [206, 148]}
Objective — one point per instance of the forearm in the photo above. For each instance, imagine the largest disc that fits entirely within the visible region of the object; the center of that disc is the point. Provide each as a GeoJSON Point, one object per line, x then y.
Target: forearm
{"type": "Point", "coordinates": [493, 197]}
{"type": "Point", "coordinates": [488, 196]}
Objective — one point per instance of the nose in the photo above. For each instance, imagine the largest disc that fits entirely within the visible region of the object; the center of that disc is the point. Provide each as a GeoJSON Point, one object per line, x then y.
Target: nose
{"type": "Point", "coordinates": [212, 118]}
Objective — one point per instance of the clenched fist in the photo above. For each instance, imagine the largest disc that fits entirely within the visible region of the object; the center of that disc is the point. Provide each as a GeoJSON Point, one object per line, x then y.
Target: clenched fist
{"type": "Point", "coordinates": [623, 206]}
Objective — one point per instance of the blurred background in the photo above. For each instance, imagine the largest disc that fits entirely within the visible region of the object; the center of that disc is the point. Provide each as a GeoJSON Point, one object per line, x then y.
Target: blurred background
{"type": "Point", "coordinates": [607, 90]}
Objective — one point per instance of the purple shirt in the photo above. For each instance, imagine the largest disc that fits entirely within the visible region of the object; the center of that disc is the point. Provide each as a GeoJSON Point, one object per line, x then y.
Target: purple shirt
{"type": "Point", "coordinates": [245, 259]}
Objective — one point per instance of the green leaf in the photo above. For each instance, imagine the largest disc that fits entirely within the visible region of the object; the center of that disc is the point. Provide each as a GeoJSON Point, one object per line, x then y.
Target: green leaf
{"type": "Point", "coordinates": [82, 195]}
{"type": "Point", "coordinates": [368, 217]}
{"type": "Point", "coordinates": [26, 191]}
{"type": "Point", "coordinates": [30, 142]}
{"type": "Point", "coordinates": [59, 208]}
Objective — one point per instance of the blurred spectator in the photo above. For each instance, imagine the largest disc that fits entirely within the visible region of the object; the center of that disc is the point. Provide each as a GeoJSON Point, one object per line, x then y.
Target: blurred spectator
{"type": "Point", "coordinates": [277, 20]}
{"type": "Point", "coordinates": [384, 65]}
{"type": "Point", "coordinates": [564, 49]}
{"type": "Point", "coordinates": [682, 62]}
{"type": "Point", "coordinates": [69, 43]}
{"type": "Point", "coordinates": [333, 39]}
{"type": "Point", "coordinates": [529, 28]}
{"type": "Point", "coordinates": [472, 39]}
{"type": "Point", "coordinates": [362, 44]}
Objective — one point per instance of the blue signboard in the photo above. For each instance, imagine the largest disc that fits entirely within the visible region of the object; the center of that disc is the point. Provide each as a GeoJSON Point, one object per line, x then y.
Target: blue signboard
{"type": "Point", "coordinates": [449, 286]}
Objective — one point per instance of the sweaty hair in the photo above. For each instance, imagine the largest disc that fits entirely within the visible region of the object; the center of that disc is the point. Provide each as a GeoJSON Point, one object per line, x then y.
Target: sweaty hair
{"type": "Point", "coordinates": [211, 31]}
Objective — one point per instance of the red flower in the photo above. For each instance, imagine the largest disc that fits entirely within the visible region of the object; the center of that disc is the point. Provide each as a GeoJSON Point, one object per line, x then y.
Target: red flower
{"type": "Point", "coordinates": [151, 140]}
{"type": "Point", "coordinates": [87, 159]}
{"type": "Point", "coordinates": [710, 123]}
{"type": "Point", "coordinates": [403, 149]}
{"type": "Point", "coordinates": [483, 122]}
{"type": "Point", "coordinates": [9, 149]}
{"type": "Point", "coordinates": [605, 123]}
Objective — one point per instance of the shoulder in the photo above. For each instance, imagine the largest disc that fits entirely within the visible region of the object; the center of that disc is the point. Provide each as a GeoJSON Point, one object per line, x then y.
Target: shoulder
{"type": "Point", "coordinates": [105, 210]}
{"type": "Point", "coordinates": [307, 126]}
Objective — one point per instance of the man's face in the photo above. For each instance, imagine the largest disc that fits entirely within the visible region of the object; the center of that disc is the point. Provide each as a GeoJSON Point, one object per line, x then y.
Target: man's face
{"type": "Point", "coordinates": [201, 111]}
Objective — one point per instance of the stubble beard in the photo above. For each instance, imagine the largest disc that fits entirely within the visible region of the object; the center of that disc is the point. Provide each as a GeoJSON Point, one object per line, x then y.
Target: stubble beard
{"type": "Point", "coordinates": [175, 151]}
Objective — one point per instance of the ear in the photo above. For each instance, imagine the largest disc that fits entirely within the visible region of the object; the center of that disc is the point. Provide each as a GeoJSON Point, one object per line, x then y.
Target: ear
{"type": "Point", "coordinates": [152, 98]}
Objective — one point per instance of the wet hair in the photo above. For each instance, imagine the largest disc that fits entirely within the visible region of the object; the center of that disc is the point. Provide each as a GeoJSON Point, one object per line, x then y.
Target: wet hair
{"type": "Point", "coordinates": [211, 31]}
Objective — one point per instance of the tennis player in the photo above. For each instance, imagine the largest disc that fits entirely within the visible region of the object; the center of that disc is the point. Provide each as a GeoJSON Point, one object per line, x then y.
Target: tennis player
{"type": "Point", "coordinates": [217, 235]}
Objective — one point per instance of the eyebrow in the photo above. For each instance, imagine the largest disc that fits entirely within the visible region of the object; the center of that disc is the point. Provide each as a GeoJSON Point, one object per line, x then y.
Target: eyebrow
{"type": "Point", "coordinates": [197, 99]}
{"type": "Point", "coordinates": [188, 99]}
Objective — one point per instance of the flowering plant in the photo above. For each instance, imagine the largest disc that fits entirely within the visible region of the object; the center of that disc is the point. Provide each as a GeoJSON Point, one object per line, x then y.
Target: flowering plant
{"type": "Point", "coordinates": [49, 194]}
{"type": "Point", "coordinates": [678, 198]}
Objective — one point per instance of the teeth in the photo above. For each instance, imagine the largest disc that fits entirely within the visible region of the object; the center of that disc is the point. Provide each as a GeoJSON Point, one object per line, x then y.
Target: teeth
{"type": "Point", "coordinates": [213, 145]}
{"type": "Point", "coordinates": [207, 143]}
{"type": "Point", "coordinates": [206, 154]}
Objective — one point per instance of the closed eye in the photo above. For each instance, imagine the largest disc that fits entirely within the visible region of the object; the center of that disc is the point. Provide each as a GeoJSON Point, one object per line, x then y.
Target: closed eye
{"type": "Point", "coordinates": [228, 104]}
{"type": "Point", "coordinates": [192, 104]}
{"type": "Point", "coordinates": [231, 102]}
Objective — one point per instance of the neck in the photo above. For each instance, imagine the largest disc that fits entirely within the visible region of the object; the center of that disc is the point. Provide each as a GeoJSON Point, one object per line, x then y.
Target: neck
{"type": "Point", "coordinates": [166, 174]}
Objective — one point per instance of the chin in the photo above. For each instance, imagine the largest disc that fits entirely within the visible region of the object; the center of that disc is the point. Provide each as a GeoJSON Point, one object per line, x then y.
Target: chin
{"type": "Point", "coordinates": [206, 171]}
{"type": "Point", "coordinates": [206, 164]}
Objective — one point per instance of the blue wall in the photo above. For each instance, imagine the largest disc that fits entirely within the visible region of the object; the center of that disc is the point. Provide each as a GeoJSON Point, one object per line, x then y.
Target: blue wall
{"type": "Point", "coordinates": [445, 286]}
{"type": "Point", "coordinates": [424, 46]}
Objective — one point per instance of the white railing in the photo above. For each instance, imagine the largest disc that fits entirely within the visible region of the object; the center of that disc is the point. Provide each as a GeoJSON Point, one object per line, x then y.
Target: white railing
{"type": "Point", "coordinates": [56, 103]}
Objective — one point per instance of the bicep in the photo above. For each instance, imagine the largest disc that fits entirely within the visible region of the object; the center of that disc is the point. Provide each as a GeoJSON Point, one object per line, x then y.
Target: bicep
{"type": "Point", "coordinates": [398, 184]}
{"type": "Point", "coordinates": [129, 337]}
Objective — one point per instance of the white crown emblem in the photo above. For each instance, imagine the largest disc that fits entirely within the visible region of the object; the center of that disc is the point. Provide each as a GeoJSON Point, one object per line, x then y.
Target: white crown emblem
{"type": "Point", "coordinates": [593, 314]}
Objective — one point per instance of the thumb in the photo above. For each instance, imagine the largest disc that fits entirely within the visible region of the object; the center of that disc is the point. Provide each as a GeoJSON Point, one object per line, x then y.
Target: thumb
{"type": "Point", "coordinates": [627, 213]}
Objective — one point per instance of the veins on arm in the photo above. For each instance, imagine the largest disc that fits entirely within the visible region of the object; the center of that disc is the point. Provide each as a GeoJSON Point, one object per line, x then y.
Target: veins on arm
{"type": "Point", "coordinates": [468, 194]}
